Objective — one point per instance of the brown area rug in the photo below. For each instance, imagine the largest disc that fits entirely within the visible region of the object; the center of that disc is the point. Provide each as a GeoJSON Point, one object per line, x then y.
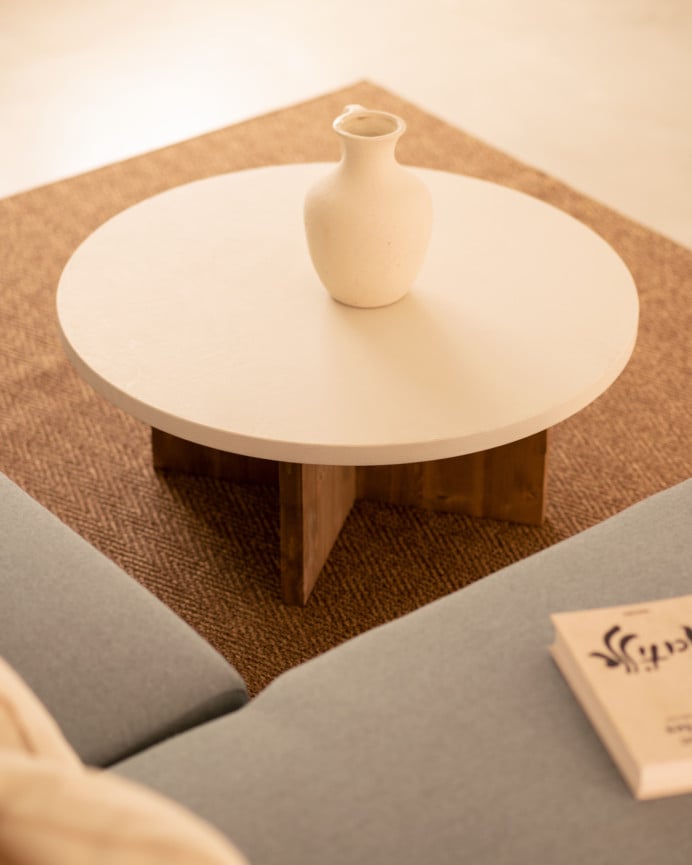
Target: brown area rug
{"type": "Point", "coordinates": [209, 548]}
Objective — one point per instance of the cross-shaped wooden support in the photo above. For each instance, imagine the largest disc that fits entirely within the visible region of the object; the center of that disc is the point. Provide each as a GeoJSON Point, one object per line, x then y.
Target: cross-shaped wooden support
{"type": "Point", "coordinates": [506, 483]}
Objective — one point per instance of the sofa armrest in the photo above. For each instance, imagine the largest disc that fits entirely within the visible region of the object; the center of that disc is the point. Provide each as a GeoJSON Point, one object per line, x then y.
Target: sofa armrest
{"type": "Point", "coordinates": [115, 667]}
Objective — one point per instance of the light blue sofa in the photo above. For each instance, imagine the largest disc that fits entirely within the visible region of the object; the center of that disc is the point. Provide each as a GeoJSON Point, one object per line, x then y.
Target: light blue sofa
{"type": "Point", "coordinates": [447, 736]}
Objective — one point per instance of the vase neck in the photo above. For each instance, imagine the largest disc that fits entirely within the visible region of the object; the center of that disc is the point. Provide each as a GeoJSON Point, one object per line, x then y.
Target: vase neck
{"type": "Point", "coordinates": [368, 139]}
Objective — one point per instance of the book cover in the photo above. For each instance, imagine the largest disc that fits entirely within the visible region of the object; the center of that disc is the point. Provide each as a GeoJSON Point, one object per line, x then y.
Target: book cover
{"type": "Point", "coordinates": [630, 668]}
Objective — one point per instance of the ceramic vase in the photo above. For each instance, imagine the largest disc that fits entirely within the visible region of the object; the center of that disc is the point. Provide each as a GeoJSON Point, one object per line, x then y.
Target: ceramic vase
{"type": "Point", "coordinates": [368, 221]}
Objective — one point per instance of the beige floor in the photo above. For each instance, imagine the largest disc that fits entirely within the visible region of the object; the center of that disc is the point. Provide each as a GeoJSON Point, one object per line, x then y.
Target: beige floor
{"type": "Point", "coordinates": [595, 92]}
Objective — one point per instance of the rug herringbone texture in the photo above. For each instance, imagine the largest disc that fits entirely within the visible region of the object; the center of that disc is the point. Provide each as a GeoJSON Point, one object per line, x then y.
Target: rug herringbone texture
{"type": "Point", "coordinates": [209, 548]}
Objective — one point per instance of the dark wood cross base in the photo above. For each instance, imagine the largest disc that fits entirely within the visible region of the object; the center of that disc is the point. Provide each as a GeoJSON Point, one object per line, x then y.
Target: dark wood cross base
{"type": "Point", "coordinates": [506, 483]}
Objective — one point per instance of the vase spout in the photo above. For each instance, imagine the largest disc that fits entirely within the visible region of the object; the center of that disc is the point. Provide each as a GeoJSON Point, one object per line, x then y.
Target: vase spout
{"type": "Point", "coordinates": [358, 122]}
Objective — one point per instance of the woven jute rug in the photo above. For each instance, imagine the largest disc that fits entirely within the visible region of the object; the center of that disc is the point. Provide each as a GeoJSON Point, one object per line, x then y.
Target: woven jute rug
{"type": "Point", "coordinates": [209, 548]}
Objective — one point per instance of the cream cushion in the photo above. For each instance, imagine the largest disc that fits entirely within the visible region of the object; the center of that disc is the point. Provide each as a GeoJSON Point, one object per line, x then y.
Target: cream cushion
{"type": "Point", "coordinates": [56, 811]}
{"type": "Point", "coordinates": [26, 725]}
{"type": "Point", "coordinates": [52, 815]}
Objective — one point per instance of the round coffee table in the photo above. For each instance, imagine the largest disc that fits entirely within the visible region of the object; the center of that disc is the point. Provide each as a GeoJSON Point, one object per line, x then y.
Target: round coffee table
{"type": "Point", "coordinates": [198, 312]}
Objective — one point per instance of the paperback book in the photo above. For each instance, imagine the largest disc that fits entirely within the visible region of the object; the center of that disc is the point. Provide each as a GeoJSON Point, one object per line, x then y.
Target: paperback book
{"type": "Point", "coordinates": [630, 668]}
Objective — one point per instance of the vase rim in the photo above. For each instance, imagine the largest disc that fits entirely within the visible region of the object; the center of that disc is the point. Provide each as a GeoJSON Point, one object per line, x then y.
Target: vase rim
{"type": "Point", "coordinates": [368, 124]}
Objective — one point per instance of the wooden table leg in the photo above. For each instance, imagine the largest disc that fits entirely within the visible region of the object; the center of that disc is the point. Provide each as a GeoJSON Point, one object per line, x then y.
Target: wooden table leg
{"type": "Point", "coordinates": [176, 454]}
{"type": "Point", "coordinates": [314, 502]}
{"type": "Point", "coordinates": [515, 477]}
{"type": "Point", "coordinates": [505, 483]}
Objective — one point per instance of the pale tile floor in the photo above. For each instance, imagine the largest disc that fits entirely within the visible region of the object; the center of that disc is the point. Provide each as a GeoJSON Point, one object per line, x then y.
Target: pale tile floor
{"type": "Point", "coordinates": [595, 92]}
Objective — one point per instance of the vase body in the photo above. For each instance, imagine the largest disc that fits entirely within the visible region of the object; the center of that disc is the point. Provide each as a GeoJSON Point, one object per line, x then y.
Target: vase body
{"type": "Point", "coordinates": [368, 221]}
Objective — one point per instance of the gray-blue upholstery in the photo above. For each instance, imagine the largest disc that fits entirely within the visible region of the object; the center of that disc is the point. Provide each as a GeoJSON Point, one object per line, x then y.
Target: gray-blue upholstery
{"type": "Point", "coordinates": [115, 667]}
{"type": "Point", "coordinates": [447, 736]}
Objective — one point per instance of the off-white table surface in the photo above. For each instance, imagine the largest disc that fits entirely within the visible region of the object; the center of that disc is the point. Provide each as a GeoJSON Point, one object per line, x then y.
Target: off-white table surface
{"type": "Point", "coordinates": [198, 312]}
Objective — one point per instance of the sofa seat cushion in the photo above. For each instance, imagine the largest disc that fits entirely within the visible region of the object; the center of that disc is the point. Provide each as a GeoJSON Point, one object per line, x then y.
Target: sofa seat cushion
{"type": "Point", "coordinates": [115, 667]}
{"type": "Point", "coordinates": [448, 735]}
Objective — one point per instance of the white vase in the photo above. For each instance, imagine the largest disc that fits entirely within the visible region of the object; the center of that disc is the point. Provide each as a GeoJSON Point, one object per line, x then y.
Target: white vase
{"type": "Point", "coordinates": [368, 221]}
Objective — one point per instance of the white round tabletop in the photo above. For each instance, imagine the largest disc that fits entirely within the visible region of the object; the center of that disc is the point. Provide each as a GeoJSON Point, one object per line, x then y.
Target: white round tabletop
{"type": "Point", "coordinates": [198, 311]}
